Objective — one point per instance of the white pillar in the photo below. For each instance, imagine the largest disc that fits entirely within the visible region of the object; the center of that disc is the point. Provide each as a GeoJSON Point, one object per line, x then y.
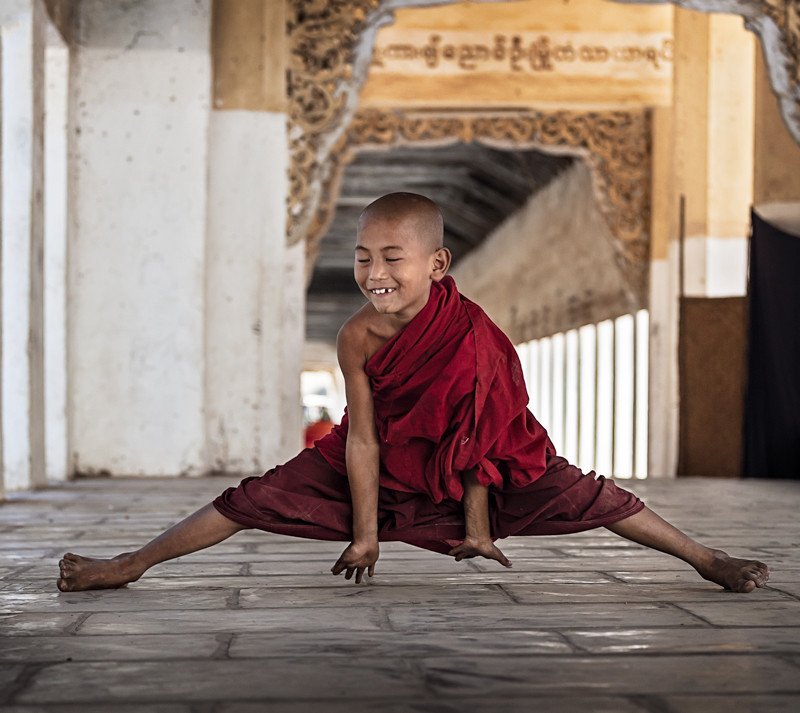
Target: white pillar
{"type": "Point", "coordinates": [23, 43]}
{"type": "Point", "coordinates": [140, 106]}
{"type": "Point", "coordinates": [703, 150]}
{"type": "Point", "coordinates": [55, 238]}
{"type": "Point", "coordinates": [293, 334]}
{"type": "Point", "coordinates": [663, 399]}
{"type": "Point", "coordinates": [254, 296]}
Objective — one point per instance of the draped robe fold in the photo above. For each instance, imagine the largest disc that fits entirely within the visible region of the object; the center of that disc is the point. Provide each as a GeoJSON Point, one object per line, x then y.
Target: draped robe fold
{"type": "Point", "coordinates": [449, 397]}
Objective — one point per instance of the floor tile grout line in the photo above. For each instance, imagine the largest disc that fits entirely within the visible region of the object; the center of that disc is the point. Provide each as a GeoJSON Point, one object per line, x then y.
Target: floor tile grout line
{"type": "Point", "coordinates": [223, 653]}
{"type": "Point", "coordinates": [232, 601]}
{"type": "Point", "coordinates": [385, 621]}
{"type": "Point", "coordinates": [676, 605]}
{"type": "Point", "coordinates": [72, 629]}
{"type": "Point", "coordinates": [650, 703]}
{"type": "Point", "coordinates": [439, 698]}
{"type": "Point", "coordinates": [614, 577]}
{"type": "Point", "coordinates": [789, 657]}
{"type": "Point", "coordinates": [338, 601]}
{"type": "Point", "coordinates": [575, 648]}
{"type": "Point", "coordinates": [568, 630]}
{"type": "Point", "coordinates": [21, 682]}
{"type": "Point", "coordinates": [223, 646]}
{"type": "Point", "coordinates": [777, 588]}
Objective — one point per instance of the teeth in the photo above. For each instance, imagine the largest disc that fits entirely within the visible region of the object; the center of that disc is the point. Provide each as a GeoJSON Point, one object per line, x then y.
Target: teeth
{"type": "Point", "coordinates": [382, 291]}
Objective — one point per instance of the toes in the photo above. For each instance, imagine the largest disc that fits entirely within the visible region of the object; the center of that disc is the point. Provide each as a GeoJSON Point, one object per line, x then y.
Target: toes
{"type": "Point", "coordinates": [63, 585]}
{"type": "Point", "coordinates": [746, 585]}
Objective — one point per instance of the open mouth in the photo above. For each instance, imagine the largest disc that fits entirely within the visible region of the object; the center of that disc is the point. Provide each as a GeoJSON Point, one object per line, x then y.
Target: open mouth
{"type": "Point", "coordinates": [382, 290]}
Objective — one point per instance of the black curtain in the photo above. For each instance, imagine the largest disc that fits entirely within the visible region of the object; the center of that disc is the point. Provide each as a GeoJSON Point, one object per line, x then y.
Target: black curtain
{"type": "Point", "coordinates": [772, 401]}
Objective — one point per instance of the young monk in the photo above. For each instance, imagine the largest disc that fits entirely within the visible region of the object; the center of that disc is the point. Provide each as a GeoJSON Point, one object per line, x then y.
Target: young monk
{"type": "Point", "coordinates": [437, 447]}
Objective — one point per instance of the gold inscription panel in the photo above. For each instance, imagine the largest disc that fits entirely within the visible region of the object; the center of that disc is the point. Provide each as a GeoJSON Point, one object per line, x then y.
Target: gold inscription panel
{"type": "Point", "coordinates": [647, 57]}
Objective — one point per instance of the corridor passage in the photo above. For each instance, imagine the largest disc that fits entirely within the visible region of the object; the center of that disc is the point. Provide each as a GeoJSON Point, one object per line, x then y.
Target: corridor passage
{"type": "Point", "coordinates": [582, 623]}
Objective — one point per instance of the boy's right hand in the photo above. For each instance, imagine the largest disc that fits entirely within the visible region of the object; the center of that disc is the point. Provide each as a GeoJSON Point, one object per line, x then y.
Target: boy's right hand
{"type": "Point", "coordinates": [477, 546]}
{"type": "Point", "coordinates": [357, 557]}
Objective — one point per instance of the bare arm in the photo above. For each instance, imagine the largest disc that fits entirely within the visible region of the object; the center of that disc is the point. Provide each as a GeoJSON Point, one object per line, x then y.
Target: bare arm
{"type": "Point", "coordinates": [476, 507]}
{"type": "Point", "coordinates": [478, 537]}
{"type": "Point", "coordinates": [362, 456]}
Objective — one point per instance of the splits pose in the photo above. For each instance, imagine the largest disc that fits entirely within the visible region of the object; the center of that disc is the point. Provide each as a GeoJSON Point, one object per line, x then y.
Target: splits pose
{"type": "Point", "coordinates": [436, 448]}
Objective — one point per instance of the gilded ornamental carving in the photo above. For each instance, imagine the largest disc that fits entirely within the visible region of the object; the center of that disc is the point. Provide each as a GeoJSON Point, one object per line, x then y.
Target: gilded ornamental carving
{"type": "Point", "coordinates": [615, 144]}
{"type": "Point", "coordinates": [330, 51]}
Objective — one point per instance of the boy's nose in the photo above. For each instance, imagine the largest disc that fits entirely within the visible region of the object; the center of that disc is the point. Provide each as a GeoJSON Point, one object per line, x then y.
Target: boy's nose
{"type": "Point", "coordinates": [377, 271]}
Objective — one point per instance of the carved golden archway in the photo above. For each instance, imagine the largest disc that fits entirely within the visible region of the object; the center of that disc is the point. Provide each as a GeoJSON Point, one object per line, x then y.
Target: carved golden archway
{"type": "Point", "coordinates": [614, 144]}
{"type": "Point", "coordinates": [330, 43]}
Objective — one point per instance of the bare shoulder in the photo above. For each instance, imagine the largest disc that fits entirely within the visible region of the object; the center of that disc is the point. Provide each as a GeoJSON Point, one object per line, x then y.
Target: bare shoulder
{"type": "Point", "coordinates": [360, 337]}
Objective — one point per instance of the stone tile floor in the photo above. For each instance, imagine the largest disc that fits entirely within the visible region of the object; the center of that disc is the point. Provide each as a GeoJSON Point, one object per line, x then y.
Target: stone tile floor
{"type": "Point", "coordinates": [586, 622]}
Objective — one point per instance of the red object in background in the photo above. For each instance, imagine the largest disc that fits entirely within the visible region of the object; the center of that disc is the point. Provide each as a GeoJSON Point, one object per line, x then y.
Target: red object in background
{"type": "Point", "coordinates": [317, 430]}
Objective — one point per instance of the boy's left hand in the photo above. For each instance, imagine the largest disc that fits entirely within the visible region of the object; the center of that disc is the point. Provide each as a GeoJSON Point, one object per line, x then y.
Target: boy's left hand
{"type": "Point", "coordinates": [472, 547]}
{"type": "Point", "coordinates": [357, 558]}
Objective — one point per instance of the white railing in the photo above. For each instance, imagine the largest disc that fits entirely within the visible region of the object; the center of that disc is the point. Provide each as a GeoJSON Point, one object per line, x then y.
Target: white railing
{"type": "Point", "coordinates": [588, 388]}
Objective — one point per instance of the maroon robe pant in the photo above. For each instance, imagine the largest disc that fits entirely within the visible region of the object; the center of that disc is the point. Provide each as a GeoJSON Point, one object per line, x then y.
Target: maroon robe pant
{"type": "Point", "coordinates": [305, 497]}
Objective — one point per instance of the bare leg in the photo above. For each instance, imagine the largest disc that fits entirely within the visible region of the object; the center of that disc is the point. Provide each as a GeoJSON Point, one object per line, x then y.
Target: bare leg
{"type": "Point", "coordinates": [202, 529]}
{"type": "Point", "coordinates": [738, 575]}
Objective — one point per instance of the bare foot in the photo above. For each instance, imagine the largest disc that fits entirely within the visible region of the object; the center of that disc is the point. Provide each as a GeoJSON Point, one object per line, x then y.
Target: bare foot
{"type": "Point", "coordinates": [738, 575]}
{"type": "Point", "coordinates": [79, 573]}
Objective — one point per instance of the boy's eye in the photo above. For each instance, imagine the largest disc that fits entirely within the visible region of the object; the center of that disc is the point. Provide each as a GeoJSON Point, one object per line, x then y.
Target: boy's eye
{"type": "Point", "coordinates": [393, 259]}
{"type": "Point", "coordinates": [363, 261]}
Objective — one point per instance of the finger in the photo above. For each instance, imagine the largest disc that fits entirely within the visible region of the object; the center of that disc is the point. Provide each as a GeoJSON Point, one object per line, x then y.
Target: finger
{"type": "Point", "coordinates": [359, 575]}
{"type": "Point", "coordinates": [501, 558]}
{"type": "Point", "coordinates": [371, 571]}
{"type": "Point", "coordinates": [338, 567]}
{"type": "Point", "coordinates": [349, 574]}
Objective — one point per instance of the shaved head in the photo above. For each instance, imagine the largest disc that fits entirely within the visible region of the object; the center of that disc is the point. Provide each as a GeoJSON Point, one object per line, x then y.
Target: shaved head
{"type": "Point", "coordinates": [419, 212]}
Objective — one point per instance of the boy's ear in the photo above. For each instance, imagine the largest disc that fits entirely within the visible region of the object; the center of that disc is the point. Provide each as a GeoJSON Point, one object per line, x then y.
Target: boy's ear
{"type": "Point", "coordinates": [441, 263]}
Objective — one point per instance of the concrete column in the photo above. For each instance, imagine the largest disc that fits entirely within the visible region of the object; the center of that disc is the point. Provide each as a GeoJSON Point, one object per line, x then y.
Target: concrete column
{"type": "Point", "coordinates": [713, 148]}
{"type": "Point", "coordinates": [293, 339]}
{"type": "Point", "coordinates": [255, 288]}
{"type": "Point", "coordinates": [55, 254]}
{"type": "Point", "coordinates": [140, 104]}
{"type": "Point", "coordinates": [703, 150]}
{"type": "Point", "coordinates": [662, 447]}
{"type": "Point", "coordinates": [23, 44]}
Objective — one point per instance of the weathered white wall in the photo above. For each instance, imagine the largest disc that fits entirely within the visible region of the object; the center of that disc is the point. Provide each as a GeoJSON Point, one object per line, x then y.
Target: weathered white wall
{"type": "Point", "coordinates": [550, 266]}
{"type": "Point", "coordinates": [22, 43]}
{"type": "Point", "coordinates": [140, 111]}
{"type": "Point", "coordinates": [55, 255]}
{"type": "Point", "coordinates": [254, 296]}
{"type": "Point", "coordinates": [186, 305]}
{"type": "Point", "coordinates": [291, 335]}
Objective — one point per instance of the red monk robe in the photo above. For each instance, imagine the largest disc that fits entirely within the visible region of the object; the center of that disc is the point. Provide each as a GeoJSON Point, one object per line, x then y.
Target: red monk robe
{"type": "Point", "coordinates": [449, 396]}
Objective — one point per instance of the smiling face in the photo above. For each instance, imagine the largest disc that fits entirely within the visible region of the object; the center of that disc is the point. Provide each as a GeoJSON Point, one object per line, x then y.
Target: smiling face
{"type": "Point", "coordinates": [395, 263]}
